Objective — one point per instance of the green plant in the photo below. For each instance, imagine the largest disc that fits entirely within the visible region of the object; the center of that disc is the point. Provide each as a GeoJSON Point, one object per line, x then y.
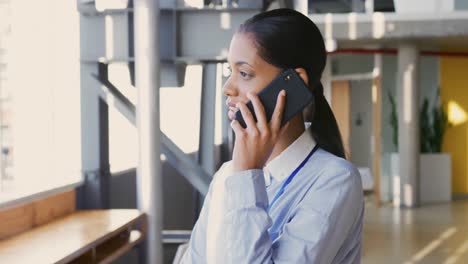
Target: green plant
{"type": "Point", "coordinates": [425, 131]}
{"type": "Point", "coordinates": [439, 125]}
{"type": "Point", "coordinates": [432, 126]}
{"type": "Point", "coordinates": [393, 119]}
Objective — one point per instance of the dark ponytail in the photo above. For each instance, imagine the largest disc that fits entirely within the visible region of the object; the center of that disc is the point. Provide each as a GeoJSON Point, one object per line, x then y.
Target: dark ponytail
{"type": "Point", "coordinates": [286, 38]}
{"type": "Point", "coordinates": [324, 126]}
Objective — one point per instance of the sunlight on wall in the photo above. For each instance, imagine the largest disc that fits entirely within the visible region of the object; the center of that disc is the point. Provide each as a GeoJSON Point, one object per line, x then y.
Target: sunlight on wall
{"type": "Point", "coordinates": [456, 114]}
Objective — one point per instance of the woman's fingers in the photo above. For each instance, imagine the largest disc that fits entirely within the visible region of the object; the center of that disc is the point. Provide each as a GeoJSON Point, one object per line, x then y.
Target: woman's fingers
{"type": "Point", "coordinates": [259, 110]}
{"type": "Point", "coordinates": [246, 114]}
{"type": "Point", "coordinates": [283, 129]}
{"type": "Point", "coordinates": [278, 113]}
{"type": "Point", "coordinates": [236, 126]}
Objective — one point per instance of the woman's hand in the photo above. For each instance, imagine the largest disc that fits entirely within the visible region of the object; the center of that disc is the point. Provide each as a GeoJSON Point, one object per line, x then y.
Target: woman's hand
{"type": "Point", "coordinates": [254, 144]}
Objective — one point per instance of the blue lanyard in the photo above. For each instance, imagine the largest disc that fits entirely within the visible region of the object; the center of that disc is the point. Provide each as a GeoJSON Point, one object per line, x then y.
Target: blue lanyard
{"type": "Point", "coordinates": [293, 174]}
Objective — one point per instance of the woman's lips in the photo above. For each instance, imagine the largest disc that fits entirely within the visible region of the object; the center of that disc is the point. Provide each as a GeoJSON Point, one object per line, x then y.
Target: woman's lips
{"type": "Point", "coordinates": [232, 112]}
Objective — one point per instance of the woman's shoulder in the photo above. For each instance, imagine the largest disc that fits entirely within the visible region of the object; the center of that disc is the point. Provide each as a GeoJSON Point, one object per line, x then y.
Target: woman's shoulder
{"type": "Point", "coordinates": [331, 169]}
{"type": "Point", "coordinates": [226, 166]}
{"type": "Point", "coordinates": [335, 183]}
{"type": "Point", "coordinates": [330, 161]}
{"type": "Point", "coordinates": [223, 170]}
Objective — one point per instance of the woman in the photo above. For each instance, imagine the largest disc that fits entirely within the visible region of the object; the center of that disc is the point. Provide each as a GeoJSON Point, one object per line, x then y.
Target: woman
{"type": "Point", "coordinates": [288, 195]}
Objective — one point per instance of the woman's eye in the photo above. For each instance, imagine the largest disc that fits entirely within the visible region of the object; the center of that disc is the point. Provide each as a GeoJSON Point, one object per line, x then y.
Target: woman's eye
{"type": "Point", "coordinates": [244, 74]}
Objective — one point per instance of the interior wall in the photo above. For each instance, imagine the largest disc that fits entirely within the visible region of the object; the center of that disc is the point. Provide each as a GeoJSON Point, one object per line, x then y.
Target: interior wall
{"type": "Point", "coordinates": [361, 123]}
{"type": "Point", "coordinates": [344, 64]}
{"type": "Point", "coordinates": [428, 81]}
{"type": "Point", "coordinates": [461, 4]}
{"type": "Point", "coordinates": [341, 107]}
{"type": "Point", "coordinates": [454, 84]}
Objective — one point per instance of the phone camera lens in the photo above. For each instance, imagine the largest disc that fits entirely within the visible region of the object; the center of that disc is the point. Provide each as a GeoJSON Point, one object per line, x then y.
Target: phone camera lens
{"type": "Point", "coordinates": [288, 77]}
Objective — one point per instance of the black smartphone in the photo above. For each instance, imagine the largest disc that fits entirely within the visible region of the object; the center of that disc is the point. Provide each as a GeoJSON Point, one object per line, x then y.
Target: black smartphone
{"type": "Point", "coordinates": [298, 96]}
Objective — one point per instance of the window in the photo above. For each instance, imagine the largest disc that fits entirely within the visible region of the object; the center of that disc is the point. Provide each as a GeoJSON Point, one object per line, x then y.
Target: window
{"type": "Point", "coordinates": [40, 97]}
{"type": "Point", "coordinates": [6, 161]}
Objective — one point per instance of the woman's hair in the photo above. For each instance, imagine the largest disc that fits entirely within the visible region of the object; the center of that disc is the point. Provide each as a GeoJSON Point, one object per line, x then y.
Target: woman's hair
{"type": "Point", "coordinates": [286, 38]}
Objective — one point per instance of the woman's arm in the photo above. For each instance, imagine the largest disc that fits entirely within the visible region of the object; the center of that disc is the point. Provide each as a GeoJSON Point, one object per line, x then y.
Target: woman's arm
{"type": "Point", "coordinates": [197, 247]}
{"type": "Point", "coordinates": [196, 250]}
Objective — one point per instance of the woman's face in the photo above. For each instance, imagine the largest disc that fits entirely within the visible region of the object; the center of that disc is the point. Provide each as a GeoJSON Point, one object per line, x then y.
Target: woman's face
{"type": "Point", "coordinates": [249, 72]}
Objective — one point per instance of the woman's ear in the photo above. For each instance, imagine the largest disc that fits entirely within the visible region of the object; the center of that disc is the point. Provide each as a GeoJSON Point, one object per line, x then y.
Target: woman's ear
{"type": "Point", "coordinates": [303, 74]}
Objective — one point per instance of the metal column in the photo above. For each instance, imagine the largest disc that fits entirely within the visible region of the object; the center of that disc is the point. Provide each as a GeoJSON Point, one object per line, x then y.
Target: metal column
{"type": "Point", "coordinates": [149, 178]}
{"type": "Point", "coordinates": [206, 148]}
{"type": "Point", "coordinates": [104, 172]}
{"type": "Point", "coordinates": [408, 125]}
{"type": "Point", "coordinates": [207, 122]}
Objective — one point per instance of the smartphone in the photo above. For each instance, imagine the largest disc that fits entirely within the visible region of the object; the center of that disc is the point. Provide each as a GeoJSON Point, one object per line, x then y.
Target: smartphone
{"type": "Point", "coordinates": [298, 96]}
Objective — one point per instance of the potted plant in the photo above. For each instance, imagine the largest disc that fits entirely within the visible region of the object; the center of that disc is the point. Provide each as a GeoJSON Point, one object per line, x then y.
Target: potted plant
{"type": "Point", "coordinates": [435, 177]}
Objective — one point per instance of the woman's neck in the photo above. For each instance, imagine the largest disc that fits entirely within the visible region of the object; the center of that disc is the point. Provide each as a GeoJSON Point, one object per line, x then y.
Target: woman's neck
{"type": "Point", "coordinates": [295, 129]}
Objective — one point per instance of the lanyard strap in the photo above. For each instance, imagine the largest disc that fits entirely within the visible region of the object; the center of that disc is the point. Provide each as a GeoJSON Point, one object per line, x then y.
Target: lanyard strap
{"type": "Point", "coordinates": [293, 174]}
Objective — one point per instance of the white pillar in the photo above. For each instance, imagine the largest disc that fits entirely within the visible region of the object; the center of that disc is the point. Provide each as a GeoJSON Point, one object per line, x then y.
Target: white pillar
{"type": "Point", "coordinates": [149, 178]}
{"type": "Point", "coordinates": [408, 124]}
{"type": "Point", "coordinates": [369, 6]}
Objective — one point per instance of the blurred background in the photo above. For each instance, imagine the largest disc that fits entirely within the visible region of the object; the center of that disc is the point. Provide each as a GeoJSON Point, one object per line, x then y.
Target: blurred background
{"type": "Point", "coordinates": [79, 94]}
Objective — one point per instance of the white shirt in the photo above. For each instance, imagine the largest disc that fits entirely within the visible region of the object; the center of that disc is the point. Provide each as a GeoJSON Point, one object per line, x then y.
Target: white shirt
{"type": "Point", "coordinates": [318, 218]}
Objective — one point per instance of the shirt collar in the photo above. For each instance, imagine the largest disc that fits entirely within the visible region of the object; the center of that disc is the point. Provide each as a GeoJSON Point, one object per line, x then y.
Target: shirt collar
{"type": "Point", "coordinates": [287, 161]}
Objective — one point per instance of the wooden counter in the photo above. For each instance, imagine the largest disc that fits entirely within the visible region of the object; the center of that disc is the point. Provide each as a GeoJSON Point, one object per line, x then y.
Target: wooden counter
{"type": "Point", "coordinates": [94, 236]}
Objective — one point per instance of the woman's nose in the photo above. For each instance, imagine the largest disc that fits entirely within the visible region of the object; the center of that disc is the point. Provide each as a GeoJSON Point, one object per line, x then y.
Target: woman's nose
{"type": "Point", "coordinates": [229, 89]}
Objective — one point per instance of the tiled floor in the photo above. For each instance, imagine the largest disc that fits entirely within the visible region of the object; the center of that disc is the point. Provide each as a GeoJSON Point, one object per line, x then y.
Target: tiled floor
{"type": "Point", "coordinates": [429, 234]}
